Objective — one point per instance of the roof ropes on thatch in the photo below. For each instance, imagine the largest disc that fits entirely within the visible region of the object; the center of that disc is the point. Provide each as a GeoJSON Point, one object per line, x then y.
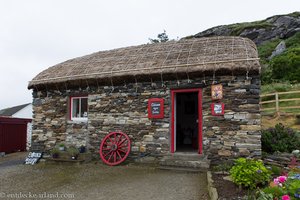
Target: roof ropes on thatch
{"type": "Point", "coordinates": [181, 57]}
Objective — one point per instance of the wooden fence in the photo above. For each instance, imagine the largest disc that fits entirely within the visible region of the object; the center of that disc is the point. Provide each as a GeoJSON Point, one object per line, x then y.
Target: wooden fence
{"type": "Point", "coordinates": [270, 103]}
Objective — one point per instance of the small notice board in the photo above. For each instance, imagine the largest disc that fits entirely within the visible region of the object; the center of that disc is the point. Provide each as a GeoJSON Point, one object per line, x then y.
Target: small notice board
{"type": "Point", "coordinates": [33, 157]}
{"type": "Point", "coordinates": [156, 108]}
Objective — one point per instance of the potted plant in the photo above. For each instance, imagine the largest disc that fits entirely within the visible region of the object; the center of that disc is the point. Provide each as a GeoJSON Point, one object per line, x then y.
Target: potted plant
{"type": "Point", "coordinates": [61, 146]}
{"type": "Point", "coordinates": [82, 149]}
{"type": "Point", "coordinates": [55, 152]}
{"type": "Point", "coordinates": [73, 152]}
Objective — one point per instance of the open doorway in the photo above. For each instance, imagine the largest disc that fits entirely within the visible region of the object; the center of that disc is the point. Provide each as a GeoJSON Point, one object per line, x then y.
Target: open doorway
{"type": "Point", "coordinates": [186, 121]}
{"type": "Point", "coordinates": [186, 126]}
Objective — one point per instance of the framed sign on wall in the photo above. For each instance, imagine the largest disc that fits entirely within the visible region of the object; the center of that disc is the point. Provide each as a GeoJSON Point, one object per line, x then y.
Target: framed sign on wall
{"type": "Point", "coordinates": [217, 109]}
{"type": "Point", "coordinates": [156, 108]}
{"type": "Point", "coordinates": [216, 92]}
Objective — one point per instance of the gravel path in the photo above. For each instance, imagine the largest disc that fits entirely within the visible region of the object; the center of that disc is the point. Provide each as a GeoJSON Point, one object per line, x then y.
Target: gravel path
{"type": "Point", "coordinates": [12, 159]}
{"type": "Point", "coordinates": [97, 181]}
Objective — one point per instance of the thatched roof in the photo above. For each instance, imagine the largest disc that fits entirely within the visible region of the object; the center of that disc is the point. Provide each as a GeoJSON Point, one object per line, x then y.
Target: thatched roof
{"type": "Point", "coordinates": [183, 56]}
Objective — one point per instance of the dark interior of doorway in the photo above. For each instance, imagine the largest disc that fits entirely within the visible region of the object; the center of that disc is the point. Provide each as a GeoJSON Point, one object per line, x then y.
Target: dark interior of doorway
{"type": "Point", "coordinates": [187, 122]}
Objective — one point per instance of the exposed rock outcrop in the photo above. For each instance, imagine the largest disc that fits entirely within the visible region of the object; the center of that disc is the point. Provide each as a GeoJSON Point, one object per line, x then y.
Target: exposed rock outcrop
{"type": "Point", "coordinates": [280, 48]}
{"type": "Point", "coordinates": [279, 26]}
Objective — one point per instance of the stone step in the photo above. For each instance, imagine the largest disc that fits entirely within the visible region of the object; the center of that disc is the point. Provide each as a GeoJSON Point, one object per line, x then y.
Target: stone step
{"type": "Point", "coordinates": [181, 169]}
{"type": "Point", "coordinates": [185, 161]}
{"type": "Point", "coordinates": [185, 156]}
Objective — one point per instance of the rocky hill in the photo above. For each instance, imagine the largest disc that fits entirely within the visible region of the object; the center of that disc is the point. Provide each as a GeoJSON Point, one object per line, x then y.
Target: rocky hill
{"type": "Point", "coordinates": [279, 26]}
{"type": "Point", "coordinates": [278, 41]}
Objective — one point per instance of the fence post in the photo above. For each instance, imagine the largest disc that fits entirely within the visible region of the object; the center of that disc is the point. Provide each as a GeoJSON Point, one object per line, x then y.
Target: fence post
{"type": "Point", "coordinates": [277, 103]}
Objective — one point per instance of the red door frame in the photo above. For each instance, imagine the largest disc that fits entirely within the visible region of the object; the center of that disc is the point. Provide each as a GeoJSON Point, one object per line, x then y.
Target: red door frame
{"type": "Point", "coordinates": [173, 92]}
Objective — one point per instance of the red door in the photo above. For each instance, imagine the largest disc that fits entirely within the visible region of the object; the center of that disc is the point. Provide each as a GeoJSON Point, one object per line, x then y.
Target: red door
{"type": "Point", "coordinates": [13, 133]}
{"type": "Point", "coordinates": [186, 120]}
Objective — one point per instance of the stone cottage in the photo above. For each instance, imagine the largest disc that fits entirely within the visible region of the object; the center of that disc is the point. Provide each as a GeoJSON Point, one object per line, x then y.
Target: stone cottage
{"type": "Point", "coordinates": [192, 95]}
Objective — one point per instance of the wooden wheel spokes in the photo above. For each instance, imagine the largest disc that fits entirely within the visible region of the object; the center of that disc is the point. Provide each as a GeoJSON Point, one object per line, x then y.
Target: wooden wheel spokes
{"type": "Point", "coordinates": [114, 148]}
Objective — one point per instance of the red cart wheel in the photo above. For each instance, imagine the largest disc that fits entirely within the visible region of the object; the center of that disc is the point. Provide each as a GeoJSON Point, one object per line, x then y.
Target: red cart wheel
{"type": "Point", "coordinates": [114, 148]}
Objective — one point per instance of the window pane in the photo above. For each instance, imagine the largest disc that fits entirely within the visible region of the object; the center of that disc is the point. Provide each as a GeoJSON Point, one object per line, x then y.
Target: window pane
{"type": "Point", "coordinates": [75, 108]}
{"type": "Point", "coordinates": [84, 107]}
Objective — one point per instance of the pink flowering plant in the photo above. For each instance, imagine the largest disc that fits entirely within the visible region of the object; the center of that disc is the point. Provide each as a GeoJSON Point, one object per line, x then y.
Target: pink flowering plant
{"type": "Point", "coordinates": [284, 187]}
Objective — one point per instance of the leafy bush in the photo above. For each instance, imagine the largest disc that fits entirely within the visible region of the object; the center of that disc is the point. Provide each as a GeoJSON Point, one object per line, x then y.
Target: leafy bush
{"type": "Point", "coordinates": [280, 139]}
{"type": "Point", "coordinates": [276, 170]}
{"type": "Point", "coordinates": [266, 74]}
{"type": "Point", "coordinates": [274, 191]}
{"type": "Point", "coordinates": [286, 66]}
{"type": "Point", "coordinates": [249, 173]}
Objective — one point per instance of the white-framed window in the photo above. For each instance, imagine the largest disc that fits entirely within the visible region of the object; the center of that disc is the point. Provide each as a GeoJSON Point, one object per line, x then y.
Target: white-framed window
{"type": "Point", "coordinates": [79, 108]}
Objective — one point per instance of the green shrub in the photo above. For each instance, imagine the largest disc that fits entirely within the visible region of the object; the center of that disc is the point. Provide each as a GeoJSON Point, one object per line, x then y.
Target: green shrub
{"type": "Point", "coordinates": [276, 170]}
{"type": "Point", "coordinates": [261, 195]}
{"type": "Point", "coordinates": [249, 173]}
{"type": "Point", "coordinates": [280, 139]}
{"type": "Point", "coordinates": [294, 186]}
{"type": "Point", "coordinates": [286, 66]}
{"type": "Point", "coordinates": [266, 74]}
{"type": "Point", "coordinates": [293, 41]}
{"type": "Point", "coordinates": [275, 191]}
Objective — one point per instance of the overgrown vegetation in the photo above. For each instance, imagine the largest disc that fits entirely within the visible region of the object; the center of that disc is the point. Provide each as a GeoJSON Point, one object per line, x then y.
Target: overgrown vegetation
{"type": "Point", "coordinates": [286, 66]}
{"type": "Point", "coordinates": [265, 50]}
{"type": "Point", "coordinates": [283, 67]}
{"type": "Point", "coordinates": [238, 28]}
{"type": "Point", "coordinates": [279, 87]}
{"type": "Point", "coordinates": [249, 173]}
{"type": "Point", "coordinates": [294, 14]}
{"type": "Point", "coordinates": [280, 139]}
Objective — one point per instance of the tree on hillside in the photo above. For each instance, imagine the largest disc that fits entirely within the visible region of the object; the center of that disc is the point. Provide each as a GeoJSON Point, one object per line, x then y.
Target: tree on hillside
{"type": "Point", "coordinates": [161, 37]}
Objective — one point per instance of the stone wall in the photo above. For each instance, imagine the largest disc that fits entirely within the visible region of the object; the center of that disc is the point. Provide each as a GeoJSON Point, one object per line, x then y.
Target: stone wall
{"type": "Point", "coordinates": [124, 108]}
{"type": "Point", "coordinates": [237, 133]}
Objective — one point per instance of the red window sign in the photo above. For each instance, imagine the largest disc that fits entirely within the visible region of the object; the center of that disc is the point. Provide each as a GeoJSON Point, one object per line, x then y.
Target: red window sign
{"type": "Point", "coordinates": [217, 108]}
{"type": "Point", "coordinates": [156, 108]}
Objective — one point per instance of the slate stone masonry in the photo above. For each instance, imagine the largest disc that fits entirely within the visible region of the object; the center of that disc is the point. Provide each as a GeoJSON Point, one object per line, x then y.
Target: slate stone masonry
{"type": "Point", "coordinates": [124, 108]}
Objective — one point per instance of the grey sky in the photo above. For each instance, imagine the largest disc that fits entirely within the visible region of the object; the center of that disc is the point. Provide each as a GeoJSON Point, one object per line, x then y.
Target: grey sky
{"type": "Point", "coordinates": [36, 34]}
